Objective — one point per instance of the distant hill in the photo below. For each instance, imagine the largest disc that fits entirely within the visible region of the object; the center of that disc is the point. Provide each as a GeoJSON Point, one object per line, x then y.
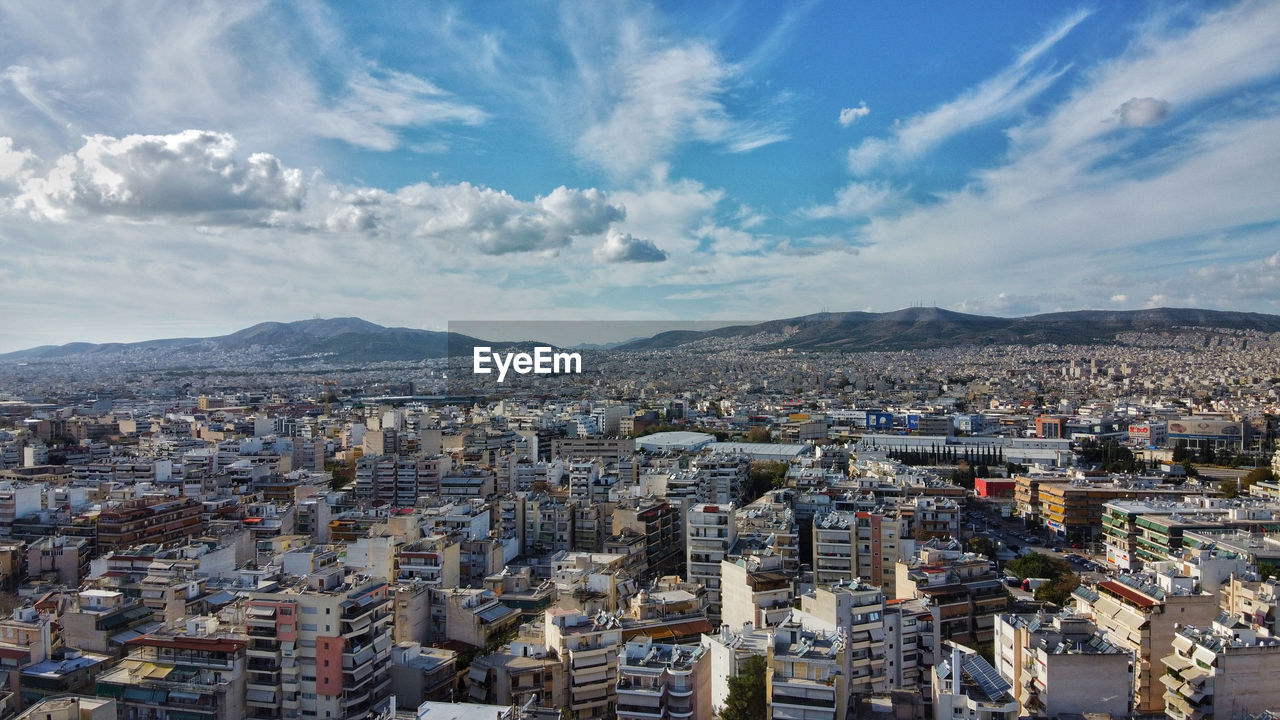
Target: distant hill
{"type": "Point", "coordinates": [352, 340]}
{"type": "Point", "coordinates": [336, 339]}
{"type": "Point", "coordinates": [921, 328]}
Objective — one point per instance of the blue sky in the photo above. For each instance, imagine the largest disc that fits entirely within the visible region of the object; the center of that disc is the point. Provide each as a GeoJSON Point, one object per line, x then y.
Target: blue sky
{"type": "Point", "coordinates": [192, 168]}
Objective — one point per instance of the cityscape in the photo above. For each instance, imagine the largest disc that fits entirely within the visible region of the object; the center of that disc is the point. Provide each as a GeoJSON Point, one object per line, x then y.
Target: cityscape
{"type": "Point", "coordinates": [393, 361]}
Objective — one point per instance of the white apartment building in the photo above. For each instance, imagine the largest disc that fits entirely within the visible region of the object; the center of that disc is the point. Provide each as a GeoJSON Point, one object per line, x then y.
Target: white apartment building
{"type": "Point", "coordinates": [709, 533]}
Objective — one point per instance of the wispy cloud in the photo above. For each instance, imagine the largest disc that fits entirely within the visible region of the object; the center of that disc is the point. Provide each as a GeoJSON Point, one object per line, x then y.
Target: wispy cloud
{"type": "Point", "coordinates": [251, 67]}
{"type": "Point", "coordinates": [646, 94]}
{"type": "Point", "coordinates": [1003, 93]}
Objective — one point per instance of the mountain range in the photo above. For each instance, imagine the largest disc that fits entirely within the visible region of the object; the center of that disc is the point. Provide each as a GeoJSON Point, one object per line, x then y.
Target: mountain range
{"type": "Point", "coordinates": [352, 340]}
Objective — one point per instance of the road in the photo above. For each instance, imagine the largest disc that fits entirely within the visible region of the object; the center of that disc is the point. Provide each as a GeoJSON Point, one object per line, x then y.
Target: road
{"type": "Point", "coordinates": [1012, 531]}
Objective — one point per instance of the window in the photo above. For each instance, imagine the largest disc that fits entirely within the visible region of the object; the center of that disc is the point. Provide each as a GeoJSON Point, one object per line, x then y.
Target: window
{"type": "Point", "coordinates": [309, 610]}
{"type": "Point", "coordinates": [308, 627]}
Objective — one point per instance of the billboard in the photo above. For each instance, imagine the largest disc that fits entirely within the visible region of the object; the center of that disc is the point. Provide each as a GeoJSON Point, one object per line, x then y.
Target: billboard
{"type": "Point", "coordinates": [1195, 426]}
{"type": "Point", "coordinates": [879, 421]}
{"type": "Point", "coordinates": [913, 422]}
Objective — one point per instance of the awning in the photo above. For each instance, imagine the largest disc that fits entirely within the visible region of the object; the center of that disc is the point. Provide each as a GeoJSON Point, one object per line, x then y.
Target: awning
{"type": "Point", "coordinates": [184, 696]}
{"type": "Point", "coordinates": [145, 695]}
{"type": "Point", "coordinates": [478, 674]}
{"type": "Point", "coordinates": [263, 696]}
{"type": "Point", "coordinates": [1177, 662]}
{"type": "Point", "coordinates": [260, 611]}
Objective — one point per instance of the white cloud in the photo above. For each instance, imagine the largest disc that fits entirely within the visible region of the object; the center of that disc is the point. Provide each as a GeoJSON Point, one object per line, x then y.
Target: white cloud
{"type": "Point", "coordinates": [644, 94]}
{"type": "Point", "coordinates": [279, 77]}
{"type": "Point", "coordinates": [12, 161]}
{"type": "Point", "coordinates": [620, 247]}
{"type": "Point", "coordinates": [850, 115]}
{"type": "Point", "coordinates": [1119, 298]}
{"type": "Point", "coordinates": [1003, 93]}
{"type": "Point", "coordinates": [856, 200]}
{"type": "Point", "coordinates": [192, 173]}
{"type": "Point", "coordinates": [1142, 112]}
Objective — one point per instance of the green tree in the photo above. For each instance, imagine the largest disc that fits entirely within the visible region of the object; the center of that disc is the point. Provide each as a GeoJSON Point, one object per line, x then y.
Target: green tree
{"type": "Point", "coordinates": [983, 546]}
{"type": "Point", "coordinates": [759, 434]}
{"type": "Point", "coordinates": [1037, 566]}
{"type": "Point", "coordinates": [764, 477]}
{"type": "Point", "coordinates": [747, 699]}
{"type": "Point", "coordinates": [1058, 591]}
{"type": "Point", "coordinates": [1256, 475]}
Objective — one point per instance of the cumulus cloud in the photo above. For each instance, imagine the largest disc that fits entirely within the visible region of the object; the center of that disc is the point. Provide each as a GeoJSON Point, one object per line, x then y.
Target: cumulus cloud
{"type": "Point", "coordinates": [466, 216]}
{"type": "Point", "coordinates": [1142, 112]}
{"type": "Point", "coordinates": [850, 115]}
{"type": "Point", "coordinates": [191, 173]}
{"type": "Point", "coordinates": [620, 247]}
{"type": "Point", "coordinates": [11, 160]}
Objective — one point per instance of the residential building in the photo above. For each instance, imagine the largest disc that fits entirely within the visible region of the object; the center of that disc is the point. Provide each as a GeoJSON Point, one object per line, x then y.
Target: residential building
{"type": "Point", "coordinates": [1062, 665]}
{"type": "Point", "coordinates": [195, 670]}
{"type": "Point", "coordinates": [321, 647]}
{"type": "Point", "coordinates": [709, 535]}
{"type": "Point", "coordinates": [1222, 670]}
{"type": "Point", "coordinates": [964, 685]}
{"type": "Point", "coordinates": [755, 590]}
{"type": "Point", "coordinates": [1140, 613]}
{"type": "Point", "coordinates": [663, 682]}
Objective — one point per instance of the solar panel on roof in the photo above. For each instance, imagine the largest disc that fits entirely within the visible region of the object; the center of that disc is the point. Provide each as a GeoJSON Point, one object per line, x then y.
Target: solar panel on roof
{"type": "Point", "coordinates": [985, 676]}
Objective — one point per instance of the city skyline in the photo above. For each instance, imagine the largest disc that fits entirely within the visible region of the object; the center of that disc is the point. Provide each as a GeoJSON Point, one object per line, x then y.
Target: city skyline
{"type": "Point", "coordinates": [190, 171]}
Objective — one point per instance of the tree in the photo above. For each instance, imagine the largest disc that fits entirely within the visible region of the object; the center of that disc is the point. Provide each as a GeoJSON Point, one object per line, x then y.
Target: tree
{"type": "Point", "coordinates": [759, 434]}
{"type": "Point", "coordinates": [1256, 475]}
{"type": "Point", "coordinates": [1058, 591]}
{"type": "Point", "coordinates": [747, 700]}
{"type": "Point", "coordinates": [983, 546]}
{"type": "Point", "coordinates": [1037, 566]}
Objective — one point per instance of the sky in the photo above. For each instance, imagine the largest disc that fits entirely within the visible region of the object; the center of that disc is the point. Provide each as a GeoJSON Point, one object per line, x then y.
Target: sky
{"type": "Point", "coordinates": [188, 169]}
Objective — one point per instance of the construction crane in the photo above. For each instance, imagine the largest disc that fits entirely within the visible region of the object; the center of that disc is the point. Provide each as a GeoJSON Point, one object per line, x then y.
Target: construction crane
{"type": "Point", "coordinates": [327, 393]}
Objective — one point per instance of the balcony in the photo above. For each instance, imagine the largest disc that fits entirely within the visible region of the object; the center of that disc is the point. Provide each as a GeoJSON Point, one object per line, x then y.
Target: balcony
{"type": "Point", "coordinates": [640, 711]}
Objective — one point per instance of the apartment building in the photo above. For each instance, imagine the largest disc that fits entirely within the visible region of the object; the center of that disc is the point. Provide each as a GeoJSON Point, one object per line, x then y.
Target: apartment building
{"type": "Point", "coordinates": [858, 545]}
{"type": "Point", "coordinates": [755, 590]}
{"type": "Point", "coordinates": [709, 534]}
{"type": "Point", "coordinates": [857, 610]}
{"type": "Point", "coordinates": [1061, 664]}
{"type": "Point", "coordinates": [197, 669]}
{"type": "Point", "coordinates": [148, 520]}
{"type": "Point", "coordinates": [1220, 670]}
{"type": "Point", "coordinates": [663, 682]}
{"type": "Point", "coordinates": [964, 685]}
{"type": "Point", "coordinates": [658, 522]}
{"type": "Point", "coordinates": [321, 648]}
{"type": "Point", "coordinates": [806, 675]}
{"type": "Point", "coordinates": [1141, 613]}
{"type": "Point", "coordinates": [588, 648]}
{"type": "Point", "coordinates": [961, 589]}
{"type": "Point", "coordinates": [908, 648]}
